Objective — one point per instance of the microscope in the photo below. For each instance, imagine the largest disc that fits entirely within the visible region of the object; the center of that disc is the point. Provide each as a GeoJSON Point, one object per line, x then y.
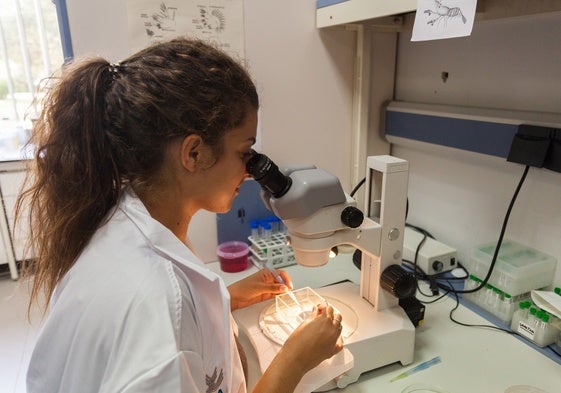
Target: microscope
{"type": "Point", "coordinates": [319, 216]}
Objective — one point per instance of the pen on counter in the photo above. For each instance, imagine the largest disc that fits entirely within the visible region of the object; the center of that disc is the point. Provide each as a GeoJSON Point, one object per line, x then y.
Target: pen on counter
{"type": "Point", "coordinates": [422, 366]}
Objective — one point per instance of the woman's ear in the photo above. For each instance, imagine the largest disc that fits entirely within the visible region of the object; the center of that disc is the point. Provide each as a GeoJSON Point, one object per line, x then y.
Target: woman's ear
{"type": "Point", "coordinates": [190, 151]}
{"type": "Point", "coordinates": [195, 154]}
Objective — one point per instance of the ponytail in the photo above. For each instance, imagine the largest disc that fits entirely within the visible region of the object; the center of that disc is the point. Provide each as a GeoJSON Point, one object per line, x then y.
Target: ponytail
{"type": "Point", "coordinates": [74, 181]}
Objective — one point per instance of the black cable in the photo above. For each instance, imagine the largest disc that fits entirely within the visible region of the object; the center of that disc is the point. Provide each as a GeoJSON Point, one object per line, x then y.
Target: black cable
{"type": "Point", "coordinates": [406, 208]}
{"type": "Point", "coordinates": [435, 300]}
{"type": "Point", "coordinates": [451, 315]}
{"type": "Point", "coordinates": [360, 183]}
{"type": "Point", "coordinates": [416, 259]}
{"type": "Point", "coordinates": [419, 229]}
{"type": "Point", "coordinates": [500, 241]}
{"type": "Point", "coordinates": [417, 271]}
{"type": "Point", "coordinates": [553, 350]}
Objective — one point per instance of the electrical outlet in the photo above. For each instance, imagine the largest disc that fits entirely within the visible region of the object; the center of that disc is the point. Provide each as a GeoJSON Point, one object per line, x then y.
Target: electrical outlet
{"type": "Point", "coordinates": [434, 257]}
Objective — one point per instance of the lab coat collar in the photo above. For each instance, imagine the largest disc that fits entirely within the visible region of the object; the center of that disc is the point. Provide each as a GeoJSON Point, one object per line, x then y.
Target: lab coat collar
{"type": "Point", "coordinates": [160, 237]}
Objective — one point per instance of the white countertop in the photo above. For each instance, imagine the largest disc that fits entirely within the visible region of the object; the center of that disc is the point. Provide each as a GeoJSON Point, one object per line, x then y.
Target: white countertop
{"type": "Point", "coordinates": [473, 359]}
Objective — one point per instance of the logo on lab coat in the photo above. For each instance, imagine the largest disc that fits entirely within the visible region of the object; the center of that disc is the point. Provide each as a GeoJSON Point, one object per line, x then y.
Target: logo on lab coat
{"type": "Point", "coordinates": [213, 382]}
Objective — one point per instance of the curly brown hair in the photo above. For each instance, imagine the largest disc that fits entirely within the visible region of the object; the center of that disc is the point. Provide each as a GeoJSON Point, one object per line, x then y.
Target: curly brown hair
{"type": "Point", "coordinates": [104, 125]}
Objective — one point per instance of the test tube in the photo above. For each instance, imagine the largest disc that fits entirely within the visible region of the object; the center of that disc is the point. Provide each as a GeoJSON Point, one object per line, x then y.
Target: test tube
{"type": "Point", "coordinates": [468, 284]}
{"type": "Point", "coordinates": [526, 309]}
{"type": "Point", "coordinates": [254, 225]}
{"type": "Point", "coordinates": [487, 297]}
{"type": "Point", "coordinates": [495, 299]}
{"type": "Point", "coordinates": [272, 220]}
{"type": "Point", "coordinates": [532, 317]}
{"type": "Point", "coordinates": [517, 316]}
{"type": "Point", "coordinates": [266, 231]}
{"type": "Point", "coordinates": [506, 306]}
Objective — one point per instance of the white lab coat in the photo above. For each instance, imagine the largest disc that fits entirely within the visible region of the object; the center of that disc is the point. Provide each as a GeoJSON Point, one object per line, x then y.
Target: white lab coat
{"type": "Point", "coordinates": [138, 312]}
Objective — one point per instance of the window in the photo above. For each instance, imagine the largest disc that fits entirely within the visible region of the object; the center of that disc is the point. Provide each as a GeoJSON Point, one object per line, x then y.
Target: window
{"type": "Point", "coordinates": [30, 50]}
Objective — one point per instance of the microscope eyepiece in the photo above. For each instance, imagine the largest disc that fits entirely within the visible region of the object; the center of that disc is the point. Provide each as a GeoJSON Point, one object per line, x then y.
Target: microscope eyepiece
{"type": "Point", "coordinates": [268, 175]}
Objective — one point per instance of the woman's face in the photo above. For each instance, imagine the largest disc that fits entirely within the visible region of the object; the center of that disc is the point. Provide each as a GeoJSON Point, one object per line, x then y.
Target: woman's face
{"type": "Point", "coordinates": [223, 179]}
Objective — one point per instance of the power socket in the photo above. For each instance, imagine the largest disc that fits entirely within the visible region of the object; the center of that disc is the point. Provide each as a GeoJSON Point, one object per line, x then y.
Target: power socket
{"type": "Point", "coordinates": [434, 257]}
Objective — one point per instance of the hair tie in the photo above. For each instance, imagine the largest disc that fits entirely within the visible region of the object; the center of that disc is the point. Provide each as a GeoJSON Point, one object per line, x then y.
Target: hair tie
{"type": "Point", "coordinates": [114, 69]}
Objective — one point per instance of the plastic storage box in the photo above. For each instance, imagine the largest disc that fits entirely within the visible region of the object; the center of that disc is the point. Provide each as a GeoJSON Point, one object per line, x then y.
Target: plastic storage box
{"type": "Point", "coordinates": [518, 270]}
{"type": "Point", "coordinates": [296, 306]}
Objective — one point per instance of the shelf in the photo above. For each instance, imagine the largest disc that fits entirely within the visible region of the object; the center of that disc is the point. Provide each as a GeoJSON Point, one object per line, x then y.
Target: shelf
{"type": "Point", "coordinates": [340, 12]}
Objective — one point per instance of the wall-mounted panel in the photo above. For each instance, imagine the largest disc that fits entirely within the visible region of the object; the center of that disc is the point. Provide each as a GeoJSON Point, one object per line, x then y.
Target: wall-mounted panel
{"type": "Point", "coordinates": [480, 130]}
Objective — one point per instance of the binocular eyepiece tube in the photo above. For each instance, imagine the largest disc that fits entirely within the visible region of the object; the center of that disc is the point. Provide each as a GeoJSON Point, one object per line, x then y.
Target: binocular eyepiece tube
{"type": "Point", "coordinates": [268, 175]}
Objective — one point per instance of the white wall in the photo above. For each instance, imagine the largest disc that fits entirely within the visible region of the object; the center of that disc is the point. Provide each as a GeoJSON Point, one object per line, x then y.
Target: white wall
{"type": "Point", "coordinates": [305, 82]}
{"type": "Point", "coordinates": [462, 197]}
{"type": "Point", "coordinates": [304, 77]}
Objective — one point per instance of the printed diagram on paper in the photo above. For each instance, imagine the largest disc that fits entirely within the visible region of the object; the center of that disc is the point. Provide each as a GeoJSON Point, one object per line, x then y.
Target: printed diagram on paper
{"type": "Point", "coordinates": [438, 19]}
{"type": "Point", "coordinates": [159, 22]}
{"type": "Point", "coordinates": [441, 13]}
{"type": "Point", "coordinates": [216, 21]}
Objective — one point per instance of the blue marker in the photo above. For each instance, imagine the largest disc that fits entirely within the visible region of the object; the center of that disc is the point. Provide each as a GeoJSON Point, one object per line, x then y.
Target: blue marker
{"type": "Point", "coordinates": [420, 367]}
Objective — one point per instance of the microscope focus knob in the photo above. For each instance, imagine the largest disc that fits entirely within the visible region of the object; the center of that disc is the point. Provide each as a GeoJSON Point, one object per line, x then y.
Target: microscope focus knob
{"type": "Point", "coordinates": [352, 217]}
{"type": "Point", "coordinates": [398, 281]}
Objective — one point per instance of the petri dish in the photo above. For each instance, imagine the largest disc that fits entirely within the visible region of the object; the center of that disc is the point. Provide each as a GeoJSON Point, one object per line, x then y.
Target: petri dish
{"type": "Point", "coordinates": [524, 389]}
{"type": "Point", "coordinates": [277, 327]}
{"type": "Point", "coordinates": [423, 388]}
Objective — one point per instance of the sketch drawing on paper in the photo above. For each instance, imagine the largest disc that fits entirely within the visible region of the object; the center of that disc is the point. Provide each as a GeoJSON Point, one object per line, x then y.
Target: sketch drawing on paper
{"type": "Point", "coordinates": [212, 19]}
{"type": "Point", "coordinates": [443, 13]}
{"type": "Point", "coordinates": [161, 21]}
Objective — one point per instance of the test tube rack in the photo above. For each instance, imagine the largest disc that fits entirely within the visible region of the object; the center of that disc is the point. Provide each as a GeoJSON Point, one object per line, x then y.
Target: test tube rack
{"type": "Point", "coordinates": [272, 250]}
{"type": "Point", "coordinates": [497, 302]}
{"type": "Point", "coordinates": [538, 326]}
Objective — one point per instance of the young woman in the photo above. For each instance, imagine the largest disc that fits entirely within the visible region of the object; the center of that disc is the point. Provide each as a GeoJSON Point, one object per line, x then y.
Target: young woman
{"type": "Point", "coordinates": [125, 155]}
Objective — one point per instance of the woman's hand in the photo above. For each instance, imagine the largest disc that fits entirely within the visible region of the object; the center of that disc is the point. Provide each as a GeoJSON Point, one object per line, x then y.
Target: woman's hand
{"type": "Point", "coordinates": [256, 288]}
{"type": "Point", "coordinates": [316, 339]}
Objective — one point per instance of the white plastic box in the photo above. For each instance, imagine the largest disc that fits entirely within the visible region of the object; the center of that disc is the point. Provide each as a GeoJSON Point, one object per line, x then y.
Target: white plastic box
{"type": "Point", "coordinates": [536, 325]}
{"type": "Point", "coordinates": [296, 306]}
{"type": "Point", "coordinates": [518, 269]}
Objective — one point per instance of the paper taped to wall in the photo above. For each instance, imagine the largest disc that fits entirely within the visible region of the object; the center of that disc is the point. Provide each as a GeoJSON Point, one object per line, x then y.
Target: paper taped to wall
{"type": "Point", "coordinates": [218, 21]}
{"type": "Point", "coordinates": [438, 19]}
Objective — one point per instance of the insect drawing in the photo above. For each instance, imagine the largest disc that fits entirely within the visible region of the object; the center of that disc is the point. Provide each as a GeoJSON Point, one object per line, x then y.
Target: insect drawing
{"type": "Point", "coordinates": [443, 13]}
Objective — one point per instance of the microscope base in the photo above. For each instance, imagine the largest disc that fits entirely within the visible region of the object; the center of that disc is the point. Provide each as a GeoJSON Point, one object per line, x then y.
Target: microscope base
{"type": "Point", "coordinates": [380, 338]}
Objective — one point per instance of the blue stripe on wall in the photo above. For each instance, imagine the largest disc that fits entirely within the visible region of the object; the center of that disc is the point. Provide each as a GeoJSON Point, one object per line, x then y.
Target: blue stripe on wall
{"type": "Point", "coordinates": [472, 135]}
{"type": "Point", "coordinates": [64, 28]}
{"type": "Point", "coordinates": [327, 3]}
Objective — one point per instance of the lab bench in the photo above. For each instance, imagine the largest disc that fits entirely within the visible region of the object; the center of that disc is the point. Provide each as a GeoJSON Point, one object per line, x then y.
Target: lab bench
{"type": "Point", "coordinates": [473, 359]}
